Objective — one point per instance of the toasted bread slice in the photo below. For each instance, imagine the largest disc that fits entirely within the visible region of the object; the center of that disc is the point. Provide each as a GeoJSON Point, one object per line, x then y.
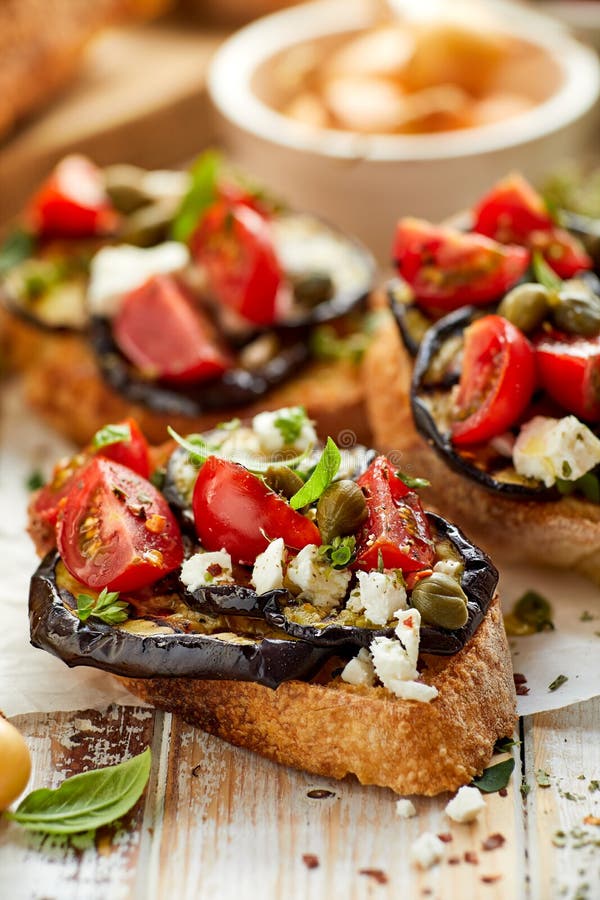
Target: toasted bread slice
{"type": "Point", "coordinates": [336, 729]}
{"type": "Point", "coordinates": [563, 533]}
{"type": "Point", "coordinates": [65, 387]}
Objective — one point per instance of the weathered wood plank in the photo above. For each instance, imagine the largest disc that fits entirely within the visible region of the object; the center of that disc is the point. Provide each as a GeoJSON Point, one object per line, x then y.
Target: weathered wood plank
{"type": "Point", "coordinates": [235, 823]}
{"type": "Point", "coordinates": [51, 868]}
{"type": "Point", "coordinates": [565, 744]}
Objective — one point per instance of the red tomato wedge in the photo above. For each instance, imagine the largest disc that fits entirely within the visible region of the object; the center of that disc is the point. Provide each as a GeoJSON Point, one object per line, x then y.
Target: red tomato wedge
{"type": "Point", "coordinates": [497, 380]}
{"type": "Point", "coordinates": [116, 530]}
{"type": "Point", "coordinates": [447, 269]}
{"type": "Point", "coordinates": [236, 511]}
{"type": "Point", "coordinates": [72, 203]}
{"type": "Point", "coordinates": [396, 531]}
{"type": "Point", "coordinates": [514, 213]}
{"type": "Point", "coordinates": [233, 244]}
{"type": "Point", "coordinates": [50, 498]}
{"type": "Point", "coordinates": [511, 211]}
{"type": "Point", "coordinates": [161, 333]}
{"type": "Point", "coordinates": [132, 452]}
{"type": "Point", "coordinates": [569, 371]}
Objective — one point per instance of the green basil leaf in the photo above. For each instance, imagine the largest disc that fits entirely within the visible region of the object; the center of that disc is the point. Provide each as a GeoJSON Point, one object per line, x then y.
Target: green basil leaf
{"type": "Point", "coordinates": [544, 274]}
{"type": "Point", "coordinates": [411, 482]}
{"type": "Point", "coordinates": [495, 777]}
{"type": "Point", "coordinates": [322, 476]}
{"type": "Point", "coordinates": [17, 247]}
{"type": "Point", "coordinates": [87, 801]}
{"type": "Point", "coordinates": [202, 193]}
{"type": "Point", "coordinates": [111, 434]}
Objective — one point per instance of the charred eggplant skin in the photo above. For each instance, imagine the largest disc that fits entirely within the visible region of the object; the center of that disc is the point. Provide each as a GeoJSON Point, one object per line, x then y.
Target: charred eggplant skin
{"type": "Point", "coordinates": [400, 312]}
{"type": "Point", "coordinates": [479, 581]}
{"type": "Point", "coordinates": [452, 324]}
{"type": "Point", "coordinates": [55, 629]}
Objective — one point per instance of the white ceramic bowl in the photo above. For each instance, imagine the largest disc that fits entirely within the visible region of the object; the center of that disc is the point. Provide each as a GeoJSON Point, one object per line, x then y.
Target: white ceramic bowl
{"type": "Point", "coordinates": [365, 182]}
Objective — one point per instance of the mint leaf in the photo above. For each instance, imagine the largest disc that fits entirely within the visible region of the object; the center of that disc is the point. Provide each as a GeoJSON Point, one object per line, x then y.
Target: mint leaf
{"type": "Point", "coordinates": [17, 247]}
{"type": "Point", "coordinates": [290, 422]}
{"type": "Point", "coordinates": [495, 777]}
{"type": "Point", "coordinates": [201, 194]}
{"type": "Point", "coordinates": [322, 476]}
{"type": "Point", "coordinates": [544, 274]}
{"type": "Point", "coordinates": [106, 607]}
{"type": "Point", "coordinates": [411, 482]}
{"type": "Point", "coordinates": [86, 802]}
{"type": "Point", "coordinates": [111, 434]}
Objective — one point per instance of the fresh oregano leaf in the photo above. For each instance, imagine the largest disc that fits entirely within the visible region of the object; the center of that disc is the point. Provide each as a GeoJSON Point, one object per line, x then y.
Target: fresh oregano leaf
{"type": "Point", "coordinates": [289, 423]}
{"type": "Point", "coordinates": [86, 801]}
{"type": "Point", "coordinates": [322, 476]}
{"type": "Point", "coordinates": [106, 606]}
{"type": "Point", "coordinates": [111, 434]}
{"type": "Point", "coordinates": [494, 778]}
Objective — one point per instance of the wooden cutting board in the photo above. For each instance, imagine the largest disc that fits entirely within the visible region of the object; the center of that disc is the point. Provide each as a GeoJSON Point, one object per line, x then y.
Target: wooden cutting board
{"type": "Point", "coordinates": [139, 98]}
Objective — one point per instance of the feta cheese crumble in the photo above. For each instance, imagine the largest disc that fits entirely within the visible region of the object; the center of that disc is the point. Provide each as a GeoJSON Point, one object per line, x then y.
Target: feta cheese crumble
{"type": "Point", "coordinates": [202, 569]}
{"type": "Point", "coordinates": [450, 567]}
{"type": "Point", "coordinates": [267, 574]}
{"type": "Point", "coordinates": [405, 809]}
{"type": "Point", "coordinates": [466, 805]}
{"type": "Point", "coordinates": [115, 271]}
{"type": "Point", "coordinates": [360, 670]}
{"type": "Point", "coordinates": [395, 660]}
{"type": "Point", "coordinates": [379, 595]}
{"type": "Point", "coordinates": [427, 850]}
{"type": "Point", "coordinates": [548, 449]}
{"type": "Point", "coordinates": [286, 428]}
{"type": "Point", "coordinates": [317, 582]}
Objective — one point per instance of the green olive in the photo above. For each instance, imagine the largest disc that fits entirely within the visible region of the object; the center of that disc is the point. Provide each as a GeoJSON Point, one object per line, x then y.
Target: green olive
{"type": "Point", "coordinates": [312, 289]}
{"type": "Point", "coordinates": [576, 309]}
{"type": "Point", "coordinates": [441, 601]}
{"type": "Point", "coordinates": [123, 185]}
{"type": "Point", "coordinates": [148, 226]}
{"type": "Point", "coordinates": [341, 509]}
{"type": "Point", "coordinates": [283, 480]}
{"type": "Point", "coordinates": [526, 306]}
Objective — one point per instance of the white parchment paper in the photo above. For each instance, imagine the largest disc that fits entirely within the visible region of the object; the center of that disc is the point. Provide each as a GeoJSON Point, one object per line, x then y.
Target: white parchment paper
{"type": "Point", "coordinates": [33, 681]}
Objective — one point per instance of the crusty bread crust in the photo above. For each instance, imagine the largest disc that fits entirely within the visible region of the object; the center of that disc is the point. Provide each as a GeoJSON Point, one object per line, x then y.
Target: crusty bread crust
{"type": "Point", "coordinates": [563, 533]}
{"type": "Point", "coordinates": [63, 385]}
{"type": "Point", "coordinates": [337, 729]}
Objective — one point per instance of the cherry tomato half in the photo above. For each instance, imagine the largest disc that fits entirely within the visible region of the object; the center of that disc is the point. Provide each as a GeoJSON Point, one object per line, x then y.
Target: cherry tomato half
{"type": "Point", "coordinates": [235, 510]}
{"type": "Point", "coordinates": [447, 269]}
{"type": "Point", "coordinates": [497, 380]}
{"type": "Point", "coordinates": [514, 213]}
{"type": "Point", "coordinates": [160, 332]}
{"type": "Point", "coordinates": [51, 497]}
{"type": "Point", "coordinates": [133, 452]}
{"type": "Point", "coordinates": [116, 530]}
{"type": "Point", "coordinates": [569, 371]}
{"type": "Point", "coordinates": [72, 202]}
{"type": "Point", "coordinates": [233, 244]}
{"type": "Point", "coordinates": [396, 531]}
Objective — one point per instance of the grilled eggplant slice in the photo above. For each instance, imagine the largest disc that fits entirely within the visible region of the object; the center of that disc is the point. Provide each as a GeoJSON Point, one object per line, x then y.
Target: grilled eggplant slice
{"type": "Point", "coordinates": [430, 400]}
{"type": "Point", "coordinates": [478, 581]}
{"type": "Point", "coordinates": [158, 646]}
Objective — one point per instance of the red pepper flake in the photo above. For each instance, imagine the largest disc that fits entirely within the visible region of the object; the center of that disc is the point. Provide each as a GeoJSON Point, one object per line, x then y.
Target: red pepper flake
{"type": "Point", "coordinates": [156, 524]}
{"type": "Point", "coordinates": [471, 857]}
{"type": "Point", "coordinates": [376, 874]}
{"type": "Point", "coordinates": [215, 570]}
{"type": "Point", "coordinates": [519, 678]}
{"type": "Point", "coordinates": [453, 860]}
{"type": "Point", "coordinates": [591, 820]}
{"type": "Point", "coordinates": [445, 838]}
{"type": "Point", "coordinates": [490, 879]}
{"type": "Point", "coordinates": [503, 792]}
{"type": "Point", "coordinates": [310, 860]}
{"type": "Point", "coordinates": [493, 842]}
{"type": "Point", "coordinates": [522, 690]}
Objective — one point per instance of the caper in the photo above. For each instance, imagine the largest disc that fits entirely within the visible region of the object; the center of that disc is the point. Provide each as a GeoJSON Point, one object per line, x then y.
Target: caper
{"type": "Point", "coordinates": [283, 480]}
{"type": "Point", "coordinates": [123, 184]}
{"type": "Point", "coordinates": [16, 763]}
{"type": "Point", "coordinates": [441, 601]}
{"type": "Point", "coordinates": [148, 226]}
{"type": "Point", "coordinates": [312, 289]}
{"type": "Point", "coordinates": [341, 509]}
{"type": "Point", "coordinates": [576, 309]}
{"type": "Point", "coordinates": [526, 306]}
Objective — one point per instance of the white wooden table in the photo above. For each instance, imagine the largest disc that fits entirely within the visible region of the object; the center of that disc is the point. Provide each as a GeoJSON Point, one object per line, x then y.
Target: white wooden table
{"type": "Point", "coordinates": [219, 822]}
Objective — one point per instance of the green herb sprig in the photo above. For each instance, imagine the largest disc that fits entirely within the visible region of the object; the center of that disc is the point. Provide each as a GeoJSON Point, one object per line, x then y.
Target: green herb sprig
{"type": "Point", "coordinates": [495, 778]}
{"type": "Point", "coordinates": [17, 247]}
{"type": "Point", "coordinates": [412, 482]}
{"type": "Point", "coordinates": [290, 423]}
{"type": "Point", "coordinates": [544, 274]}
{"type": "Point", "coordinates": [106, 606]}
{"type": "Point", "coordinates": [322, 476]}
{"type": "Point", "coordinates": [111, 434]}
{"type": "Point", "coordinates": [340, 552]}
{"type": "Point", "coordinates": [201, 194]}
